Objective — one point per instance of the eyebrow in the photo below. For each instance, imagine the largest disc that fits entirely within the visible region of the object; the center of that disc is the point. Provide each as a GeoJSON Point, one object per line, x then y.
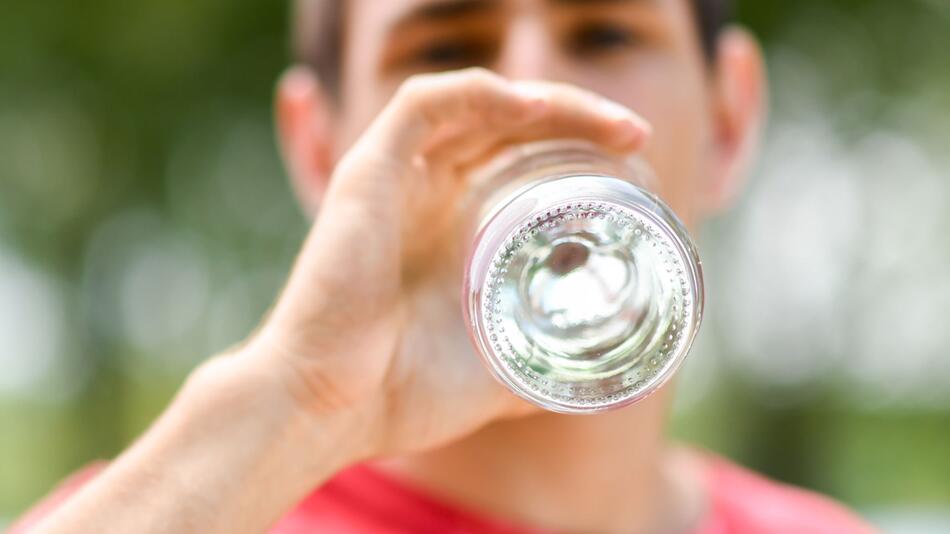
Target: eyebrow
{"type": "Point", "coordinates": [441, 10]}
{"type": "Point", "coordinates": [444, 10]}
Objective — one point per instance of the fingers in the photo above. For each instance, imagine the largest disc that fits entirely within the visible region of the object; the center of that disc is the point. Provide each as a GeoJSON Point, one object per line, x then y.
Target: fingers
{"type": "Point", "coordinates": [568, 112]}
{"type": "Point", "coordinates": [426, 103]}
{"type": "Point", "coordinates": [479, 109]}
{"type": "Point", "coordinates": [575, 112]}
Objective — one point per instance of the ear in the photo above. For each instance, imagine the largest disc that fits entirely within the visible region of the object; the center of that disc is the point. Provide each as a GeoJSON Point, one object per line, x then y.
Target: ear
{"type": "Point", "coordinates": [739, 101]}
{"type": "Point", "coordinates": [304, 116]}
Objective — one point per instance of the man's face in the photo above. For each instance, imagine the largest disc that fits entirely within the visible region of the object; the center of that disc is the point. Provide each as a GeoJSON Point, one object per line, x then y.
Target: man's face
{"type": "Point", "coordinates": [644, 54]}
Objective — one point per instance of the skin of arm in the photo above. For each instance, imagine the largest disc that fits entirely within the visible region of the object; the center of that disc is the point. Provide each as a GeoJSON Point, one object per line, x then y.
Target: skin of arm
{"type": "Point", "coordinates": [230, 454]}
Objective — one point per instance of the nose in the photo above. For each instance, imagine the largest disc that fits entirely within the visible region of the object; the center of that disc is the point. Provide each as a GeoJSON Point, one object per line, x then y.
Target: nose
{"type": "Point", "coordinates": [527, 51]}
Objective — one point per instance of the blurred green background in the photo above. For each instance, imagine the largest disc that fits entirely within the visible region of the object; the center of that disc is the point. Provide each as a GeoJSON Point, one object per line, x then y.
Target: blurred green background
{"type": "Point", "coordinates": [145, 223]}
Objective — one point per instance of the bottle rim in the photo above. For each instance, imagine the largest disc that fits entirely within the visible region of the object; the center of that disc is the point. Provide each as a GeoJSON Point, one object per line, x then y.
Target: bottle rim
{"type": "Point", "coordinates": [593, 179]}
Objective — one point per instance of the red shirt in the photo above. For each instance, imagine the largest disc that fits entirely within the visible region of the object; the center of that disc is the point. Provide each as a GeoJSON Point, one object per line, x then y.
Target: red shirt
{"type": "Point", "coordinates": [362, 500]}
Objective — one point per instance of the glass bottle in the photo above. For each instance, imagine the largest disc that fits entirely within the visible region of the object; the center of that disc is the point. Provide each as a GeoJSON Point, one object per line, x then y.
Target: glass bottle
{"type": "Point", "coordinates": [583, 291]}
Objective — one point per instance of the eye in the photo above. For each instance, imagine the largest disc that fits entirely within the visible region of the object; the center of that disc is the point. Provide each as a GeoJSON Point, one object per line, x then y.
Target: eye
{"type": "Point", "coordinates": [450, 54]}
{"type": "Point", "coordinates": [600, 37]}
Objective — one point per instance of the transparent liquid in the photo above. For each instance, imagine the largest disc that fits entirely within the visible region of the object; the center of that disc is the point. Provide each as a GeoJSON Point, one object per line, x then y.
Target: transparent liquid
{"type": "Point", "coordinates": [584, 293]}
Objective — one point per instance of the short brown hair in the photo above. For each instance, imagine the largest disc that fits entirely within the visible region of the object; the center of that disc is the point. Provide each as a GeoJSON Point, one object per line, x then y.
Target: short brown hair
{"type": "Point", "coordinates": [318, 33]}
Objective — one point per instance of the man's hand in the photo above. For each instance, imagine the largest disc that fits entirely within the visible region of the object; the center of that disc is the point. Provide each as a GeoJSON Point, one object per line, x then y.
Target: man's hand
{"type": "Point", "coordinates": [365, 352]}
{"type": "Point", "coordinates": [370, 320]}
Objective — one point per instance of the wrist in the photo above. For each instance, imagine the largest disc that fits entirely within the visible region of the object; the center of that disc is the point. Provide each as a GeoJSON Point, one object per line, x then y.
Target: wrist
{"type": "Point", "coordinates": [244, 419]}
{"type": "Point", "coordinates": [255, 379]}
{"type": "Point", "coordinates": [233, 453]}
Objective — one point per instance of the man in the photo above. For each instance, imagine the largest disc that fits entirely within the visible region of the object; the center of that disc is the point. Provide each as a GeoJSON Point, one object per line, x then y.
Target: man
{"type": "Point", "coordinates": [359, 404]}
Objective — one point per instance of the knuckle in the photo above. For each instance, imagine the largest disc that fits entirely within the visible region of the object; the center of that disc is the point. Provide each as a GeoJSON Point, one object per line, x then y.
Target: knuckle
{"type": "Point", "coordinates": [414, 96]}
{"type": "Point", "coordinates": [478, 76]}
{"type": "Point", "coordinates": [414, 89]}
{"type": "Point", "coordinates": [478, 80]}
{"type": "Point", "coordinates": [478, 87]}
{"type": "Point", "coordinates": [471, 91]}
{"type": "Point", "coordinates": [474, 102]}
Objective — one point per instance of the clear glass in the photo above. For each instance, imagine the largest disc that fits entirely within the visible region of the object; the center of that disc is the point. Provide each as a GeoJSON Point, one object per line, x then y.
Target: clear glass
{"type": "Point", "coordinates": [583, 291]}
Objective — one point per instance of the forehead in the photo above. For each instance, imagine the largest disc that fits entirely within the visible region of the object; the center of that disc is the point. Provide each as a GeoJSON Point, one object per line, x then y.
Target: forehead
{"type": "Point", "coordinates": [370, 23]}
{"type": "Point", "coordinates": [386, 14]}
{"type": "Point", "coordinates": [391, 11]}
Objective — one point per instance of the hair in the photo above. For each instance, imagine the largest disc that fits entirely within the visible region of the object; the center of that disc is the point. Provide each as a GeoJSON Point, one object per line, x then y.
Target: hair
{"type": "Point", "coordinates": [318, 33]}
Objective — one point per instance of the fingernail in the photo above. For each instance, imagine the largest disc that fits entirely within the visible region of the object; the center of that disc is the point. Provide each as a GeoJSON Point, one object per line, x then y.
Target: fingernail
{"type": "Point", "coordinates": [624, 113]}
{"type": "Point", "coordinates": [629, 133]}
